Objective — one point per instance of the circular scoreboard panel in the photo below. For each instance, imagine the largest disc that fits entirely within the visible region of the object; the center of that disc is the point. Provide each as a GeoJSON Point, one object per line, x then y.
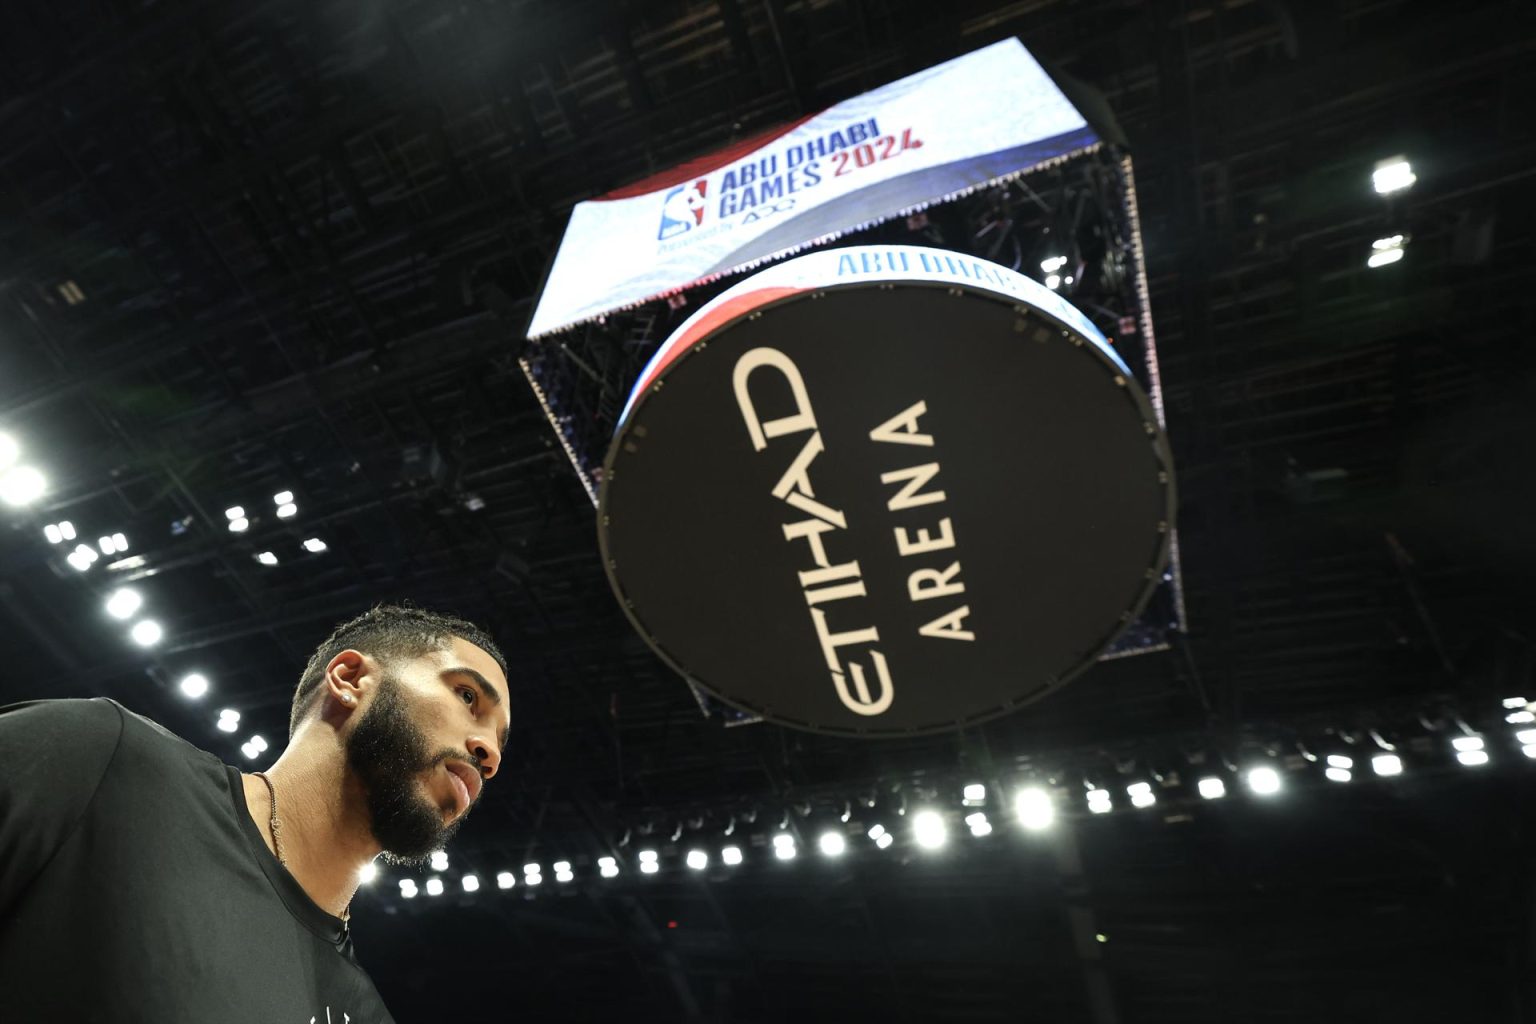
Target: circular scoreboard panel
{"type": "Point", "coordinates": [885, 490]}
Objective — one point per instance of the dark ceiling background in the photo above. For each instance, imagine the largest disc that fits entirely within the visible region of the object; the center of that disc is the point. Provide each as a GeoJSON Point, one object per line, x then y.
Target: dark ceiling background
{"type": "Point", "coordinates": [275, 245]}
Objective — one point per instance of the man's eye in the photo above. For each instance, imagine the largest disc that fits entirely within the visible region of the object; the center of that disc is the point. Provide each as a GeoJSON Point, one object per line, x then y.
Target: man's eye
{"type": "Point", "coordinates": [465, 689]}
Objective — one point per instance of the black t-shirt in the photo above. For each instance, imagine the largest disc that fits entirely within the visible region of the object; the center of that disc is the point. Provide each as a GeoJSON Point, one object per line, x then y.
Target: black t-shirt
{"type": "Point", "coordinates": [135, 886]}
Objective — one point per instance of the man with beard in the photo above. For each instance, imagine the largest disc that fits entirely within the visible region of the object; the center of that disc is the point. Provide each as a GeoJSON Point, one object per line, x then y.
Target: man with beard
{"type": "Point", "coordinates": [141, 879]}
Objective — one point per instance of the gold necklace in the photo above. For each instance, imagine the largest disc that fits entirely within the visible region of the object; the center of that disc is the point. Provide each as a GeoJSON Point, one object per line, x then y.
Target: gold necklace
{"type": "Point", "coordinates": [277, 842]}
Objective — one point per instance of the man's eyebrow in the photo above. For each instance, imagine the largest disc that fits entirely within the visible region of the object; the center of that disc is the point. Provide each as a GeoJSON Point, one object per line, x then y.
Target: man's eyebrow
{"type": "Point", "coordinates": [485, 688]}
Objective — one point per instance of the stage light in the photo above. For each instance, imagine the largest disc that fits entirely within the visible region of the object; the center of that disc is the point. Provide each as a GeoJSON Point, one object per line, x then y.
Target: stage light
{"type": "Point", "coordinates": [282, 498]}
{"type": "Point", "coordinates": [22, 486]}
{"type": "Point", "coordinates": [439, 860]}
{"type": "Point", "coordinates": [974, 794]}
{"type": "Point", "coordinates": [1264, 781]}
{"type": "Point", "coordinates": [832, 844]}
{"type": "Point", "coordinates": [563, 872]}
{"type": "Point", "coordinates": [1034, 809]}
{"type": "Point", "coordinates": [1099, 801]}
{"type": "Point", "coordinates": [532, 874]}
{"type": "Point", "coordinates": [51, 531]}
{"type": "Point", "coordinates": [1529, 750]}
{"type": "Point", "coordinates": [266, 558]}
{"type": "Point", "coordinates": [194, 685]}
{"type": "Point", "coordinates": [78, 561]}
{"type": "Point", "coordinates": [107, 545]}
{"type": "Point", "coordinates": [121, 542]}
{"type": "Point", "coordinates": [1520, 718]}
{"type": "Point", "coordinates": [67, 529]}
{"type": "Point", "coordinates": [1340, 768]}
{"type": "Point", "coordinates": [784, 846]}
{"type": "Point", "coordinates": [1340, 761]}
{"type": "Point", "coordinates": [1472, 758]}
{"type": "Point", "coordinates": [434, 887]}
{"type": "Point", "coordinates": [249, 751]}
{"type": "Point", "coordinates": [235, 512]}
{"type": "Point", "coordinates": [1526, 736]}
{"type": "Point", "coordinates": [1515, 702]}
{"type": "Point", "coordinates": [505, 879]}
{"type": "Point", "coordinates": [1053, 263]}
{"type": "Point", "coordinates": [884, 841]}
{"type": "Point", "coordinates": [928, 829]}
{"type": "Point", "coordinates": [698, 860]}
{"type": "Point", "coordinates": [648, 864]}
{"type": "Point", "coordinates": [471, 883]}
{"type": "Point", "coordinates": [1053, 281]}
{"type": "Point", "coordinates": [1467, 743]}
{"type": "Point", "coordinates": [731, 855]}
{"type": "Point", "coordinates": [369, 873]}
{"type": "Point", "coordinates": [1387, 764]}
{"type": "Point", "coordinates": [1212, 788]}
{"type": "Point", "coordinates": [876, 831]}
{"type": "Point", "coordinates": [1392, 175]}
{"type": "Point", "coordinates": [979, 824]}
{"type": "Point", "coordinates": [1470, 750]}
{"type": "Point", "coordinates": [408, 888]}
{"type": "Point", "coordinates": [146, 632]}
{"type": "Point", "coordinates": [83, 557]}
{"type": "Point", "coordinates": [1385, 251]}
{"type": "Point", "coordinates": [123, 603]}
{"type": "Point", "coordinates": [287, 511]}
{"type": "Point", "coordinates": [10, 451]}
{"type": "Point", "coordinates": [258, 744]}
{"type": "Point", "coordinates": [1337, 774]}
{"type": "Point", "coordinates": [608, 867]}
{"type": "Point", "coordinates": [1140, 793]}
{"type": "Point", "coordinates": [229, 720]}
{"type": "Point", "coordinates": [239, 525]}
{"type": "Point", "coordinates": [314, 545]}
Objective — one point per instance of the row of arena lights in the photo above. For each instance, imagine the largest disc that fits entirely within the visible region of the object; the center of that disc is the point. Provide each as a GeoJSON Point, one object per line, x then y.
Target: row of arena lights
{"type": "Point", "coordinates": [1035, 809]}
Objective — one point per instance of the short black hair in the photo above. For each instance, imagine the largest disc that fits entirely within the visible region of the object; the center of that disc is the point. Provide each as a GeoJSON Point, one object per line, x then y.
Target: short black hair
{"type": "Point", "coordinates": [386, 632]}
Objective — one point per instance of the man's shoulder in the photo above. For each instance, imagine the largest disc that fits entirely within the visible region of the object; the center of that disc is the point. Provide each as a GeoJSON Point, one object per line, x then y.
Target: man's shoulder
{"type": "Point", "coordinates": [84, 720]}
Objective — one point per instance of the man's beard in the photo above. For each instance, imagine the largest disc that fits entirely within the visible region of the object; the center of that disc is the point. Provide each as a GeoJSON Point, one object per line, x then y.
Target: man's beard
{"type": "Point", "coordinates": [390, 755]}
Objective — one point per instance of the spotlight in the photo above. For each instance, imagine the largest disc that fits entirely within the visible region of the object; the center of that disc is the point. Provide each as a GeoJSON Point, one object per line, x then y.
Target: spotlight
{"type": "Point", "coordinates": [1212, 788]}
{"type": "Point", "coordinates": [1099, 801]}
{"type": "Point", "coordinates": [731, 855]}
{"type": "Point", "coordinates": [146, 632]}
{"type": "Point", "coordinates": [239, 525]}
{"type": "Point", "coordinates": [505, 880]}
{"type": "Point", "coordinates": [1520, 718]}
{"type": "Point", "coordinates": [1469, 750]}
{"type": "Point", "coordinates": [532, 874]}
{"type": "Point", "coordinates": [698, 860]}
{"type": "Point", "coordinates": [979, 824]}
{"type": "Point", "coordinates": [1526, 736]}
{"type": "Point", "coordinates": [1515, 702]}
{"type": "Point", "coordinates": [67, 529]}
{"type": "Point", "coordinates": [1387, 764]}
{"type": "Point", "coordinates": [1385, 251]}
{"type": "Point", "coordinates": [266, 558]}
{"type": "Point", "coordinates": [121, 542]}
{"type": "Point", "coordinates": [1529, 750]}
{"type": "Point", "coordinates": [1052, 264]}
{"type": "Point", "coordinates": [832, 844]}
{"type": "Point", "coordinates": [408, 888]}
{"type": "Point", "coordinates": [1392, 175]}
{"type": "Point", "coordinates": [434, 887]}
{"type": "Point", "coordinates": [1338, 774]}
{"type": "Point", "coordinates": [107, 545]}
{"type": "Point", "coordinates": [51, 531]}
{"type": "Point", "coordinates": [928, 829]}
{"type": "Point", "coordinates": [250, 752]}
{"type": "Point", "coordinates": [282, 498]}
{"type": "Point", "coordinates": [784, 846]}
{"type": "Point", "coordinates": [369, 872]}
{"type": "Point", "coordinates": [258, 744]}
{"type": "Point", "coordinates": [608, 867]}
{"type": "Point", "coordinates": [1264, 781]}
{"type": "Point", "coordinates": [1034, 809]}
{"type": "Point", "coordinates": [975, 794]}
{"type": "Point", "coordinates": [1340, 768]}
{"type": "Point", "coordinates": [648, 862]}
{"type": "Point", "coordinates": [229, 720]}
{"type": "Point", "coordinates": [1467, 743]}
{"type": "Point", "coordinates": [234, 512]}
{"type": "Point", "coordinates": [1140, 793]}
{"type": "Point", "coordinates": [563, 873]}
{"type": "Point", "coordinates": [314, 545]}
{"type": "Point", "coordinates": [439, 860]}
{"type": "Point", "coordinates": [532, 880]}
{"type": "Point", "coordinates": [471, 883]}
{"type": "Point", "coordinates": [1053, 281]}
{"type": "Point", "coordinates": [22, 486]}
{"type": "Point", "coordinates": [123, 603]}
{"type": "Point", "coordinates": [194, 685]}
{"type": "Point", "coordinates": [287, 510]}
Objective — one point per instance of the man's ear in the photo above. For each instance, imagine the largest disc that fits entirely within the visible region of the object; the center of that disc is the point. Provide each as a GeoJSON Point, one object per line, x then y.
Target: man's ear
{"type": "Point", "coordinates": [345, 676]}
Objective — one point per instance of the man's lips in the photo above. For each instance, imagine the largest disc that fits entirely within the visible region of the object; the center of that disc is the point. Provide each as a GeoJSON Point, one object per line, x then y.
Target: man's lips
{"type": "Point", "coordinates": [466, 785]}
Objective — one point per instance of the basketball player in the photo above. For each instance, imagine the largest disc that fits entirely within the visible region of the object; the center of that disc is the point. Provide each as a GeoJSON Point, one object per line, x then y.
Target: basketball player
{"type": "Point", "coordinates": [141, 879]}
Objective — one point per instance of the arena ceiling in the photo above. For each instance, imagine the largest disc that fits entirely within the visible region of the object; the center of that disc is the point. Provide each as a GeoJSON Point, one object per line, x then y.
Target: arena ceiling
{"type": "Point", "coordinates": [292, 246]}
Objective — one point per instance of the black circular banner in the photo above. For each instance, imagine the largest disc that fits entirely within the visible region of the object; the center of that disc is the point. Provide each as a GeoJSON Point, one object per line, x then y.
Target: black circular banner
{"type": "Point", "coordinates": [885, 490]}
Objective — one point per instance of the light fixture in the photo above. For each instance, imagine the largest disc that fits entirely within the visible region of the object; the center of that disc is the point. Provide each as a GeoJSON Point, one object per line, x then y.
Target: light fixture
{"type": "Point", "coordinates": [408, 888]}
{"type": "Point", "coordinates": [1053, 281]}
{"type": "Point", "coordinates": [1387, 764]}
{"type": "Point", "coordinates": [1034, 809]}
{"type": "Point", "coordinates": [1052, 264]}
{"type": "Point", "coordinates": [250, 752]}
{"type": "Point", "coordinates": [439, 860]}
{"type": "Point", "coordinates": [1340, 768]}
{"type": "Point", "coordinates": [51, 531]}
{"type": "Point", "coordinates": [66, 529]}
{"type": "Point", "coordinates": [1099, 801]}
{"type": "Point", "coordinates": [123, 603]}
{"type": "Point", "coordinates": [928, 829]}
{"type": "Point", "coordinates": [266, 558]}
{"type": "Point", "coordinates": [1529, 750]}
{"type": "Point", "coordinates": [1470, 750]}
{"type": "Point", "coordinates": [239, 525]}
{"type": "Point", "coordinates": [314, 545]}
{"type": "Point", "coordinates": [282, 498]}
{"type": "Point", "coordinates": [194, 685]}
{"type": "Point", "coordinates": [563, 872]}
{"type": "Point", "coordinates": [146, 632]}
{"type": "Point", "coordinates": [1520, 718]}
{"type": "Point", "coordinates": [471, 883]}
{"type": "Point", "coordinates": [22, 486]}
{"type": "Point", "coordinates": [1467, 743]}
{"type": "Point", "coordinates": [1392, 175]}
{"type": "Point", "coordinates": [1212, 787]}
{"type": "Point", "coordinates": [287, 510]}
{"type": "Point", "coordinates": [505, 879]}
{"type": "Point", "coordinates": [975, 793]}
{"type": "Point", "coordinates": [698, 860]}
{"type": "Point", "coordinates": [107, 545]}
{"type": "Point", "coordinates": [532, 874]}
{"type": "Point", "coordinates": [434, 886]}
{"type": "Point", "coordinates": [608, 867]}
{"type": "Point", "coordinates": [784, 846]}
{"type": "Point", "coordinates": [258, 744]}
{"type": "Point", "coordinates": [235, 512]}
{"type": "Point", "coordinates": [369, 873]}
{"type": "Point", "coordinates": [1526, 736]}
{"type": "Point", "coordinates": [78, 561]}
{"type": "Point", "coordinates": [1385, 251]}
{"type": "Point", "coordinates": [1140, 793]}
{"type": "Point", "coordinates": [1515, 702]}
{"type": "Point", "coordinates": [229, 720]}
{"type": "Point", "coordinates": [832, 844]}
{"type": "Point", "coordinates": [731, 855]}
{"type": "Point", "coordinates": [121, 542]}
{"type": "Point", "coordinates": [979, 824]}
{"type": "Point", "coordinates": [648, 862]}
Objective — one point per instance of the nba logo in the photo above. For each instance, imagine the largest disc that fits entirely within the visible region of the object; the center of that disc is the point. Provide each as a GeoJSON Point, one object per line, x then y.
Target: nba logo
{"type": "Point", "coordinates": [682, 209]}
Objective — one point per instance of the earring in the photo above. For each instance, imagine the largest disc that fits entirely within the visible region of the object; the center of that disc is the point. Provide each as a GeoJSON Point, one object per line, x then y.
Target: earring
{"type": "Point", "coordinates": [346, 699]}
